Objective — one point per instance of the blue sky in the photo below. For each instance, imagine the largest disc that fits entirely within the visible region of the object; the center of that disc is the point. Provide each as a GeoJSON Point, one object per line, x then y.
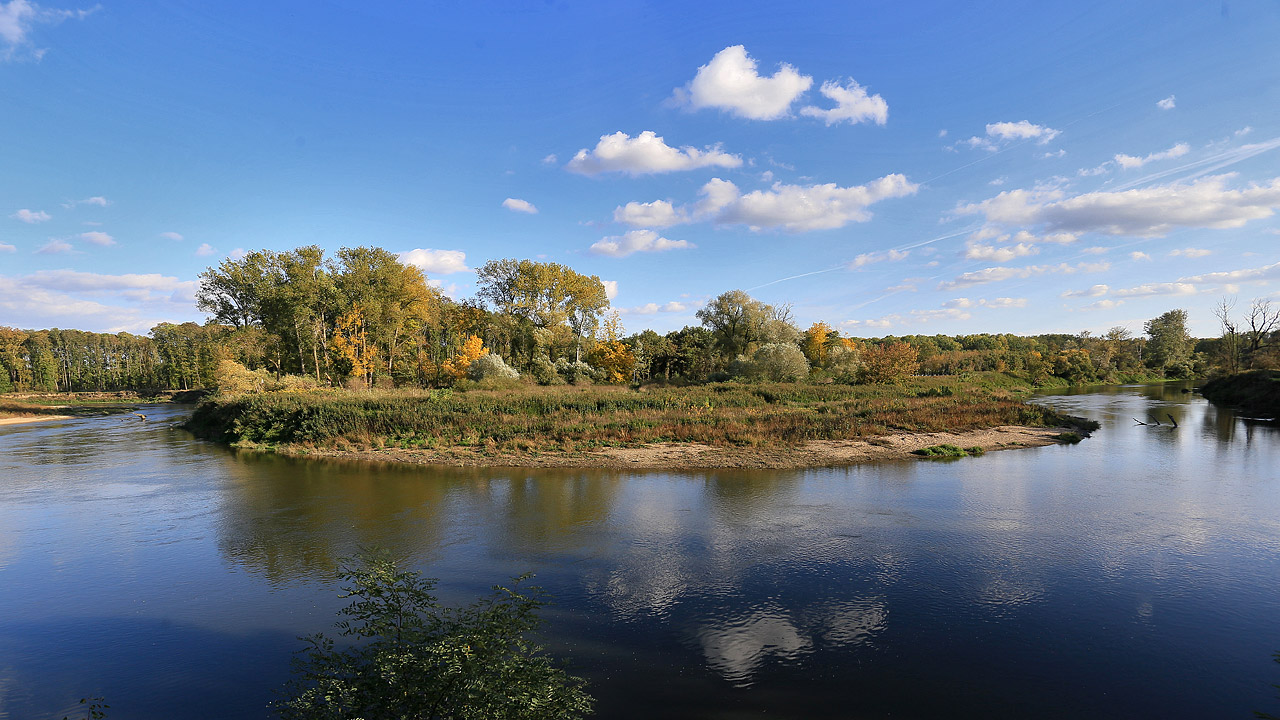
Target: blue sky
{"type": "Point", "coordinates": [889, 168]}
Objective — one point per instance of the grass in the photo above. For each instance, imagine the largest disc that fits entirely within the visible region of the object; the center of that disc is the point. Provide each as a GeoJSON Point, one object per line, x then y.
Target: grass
{"type": "Point", "coordinates": [42, 406]}
{"type": "Point", "coordinates": [570, 419]}
{"type": "Point", "coordinates": [947, 450]}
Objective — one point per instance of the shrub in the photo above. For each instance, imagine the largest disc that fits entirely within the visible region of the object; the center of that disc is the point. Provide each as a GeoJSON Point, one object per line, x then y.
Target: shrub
{"type": "Point", "coordinates": [779, 362]}
{"type": "Point", "coordinates": [577, 372]}
{"type": "Point", "coordinates": [947, 450]}
{"type": "Point", "coordinates": [413, 658]}
{"type": "Point", "coordinates": [490, 366]}
{"type": "Point", "coordinates": [232, 377]}
{"type": "Point", "coordinates": [889, 363]}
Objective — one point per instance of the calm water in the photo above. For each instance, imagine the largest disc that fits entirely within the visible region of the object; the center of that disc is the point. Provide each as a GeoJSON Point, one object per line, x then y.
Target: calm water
{"type": "Point", "coordinates": [1134, 575]}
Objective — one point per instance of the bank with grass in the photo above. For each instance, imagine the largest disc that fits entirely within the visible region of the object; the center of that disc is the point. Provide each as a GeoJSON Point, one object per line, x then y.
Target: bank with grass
{"type": "Point", "coordinates": [1254, 391]}
{"type": "Point", "coordinates": [715, 425]}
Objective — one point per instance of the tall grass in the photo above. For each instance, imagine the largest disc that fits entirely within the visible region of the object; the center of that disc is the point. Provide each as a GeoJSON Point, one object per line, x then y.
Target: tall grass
{"type": "Point", "coordinates": [582, 418]}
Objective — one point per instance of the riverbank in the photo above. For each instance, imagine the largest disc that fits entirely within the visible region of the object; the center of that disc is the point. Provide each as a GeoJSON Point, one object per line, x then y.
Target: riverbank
{"type": "Point", "coordinates": [38, 407]}
{"type": "Point", "coordinates": [1255, 391]}
{"type": "Point", "coordinates": [719, 425]}
{"type": "Point", "coordinates": [20, 419]}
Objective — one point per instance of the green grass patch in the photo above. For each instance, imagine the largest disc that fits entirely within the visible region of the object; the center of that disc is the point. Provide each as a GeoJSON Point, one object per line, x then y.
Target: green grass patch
{"type": "Point", "coordinates": [947, 450]}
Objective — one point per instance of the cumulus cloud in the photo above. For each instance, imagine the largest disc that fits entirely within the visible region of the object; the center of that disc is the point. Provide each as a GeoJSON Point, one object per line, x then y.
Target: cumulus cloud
{"type": "Point", "coordinates": [610, 288]}
{"type": "Point", "coordinates": [730, 82]}
{"type": "Point", "coordinates": [518, 205]}
{"type": "Point", "coordinates": [974, 251]}
{"type": "Point", "coordinates": [798, 208]}
{"type": "Point", "coordinates": [1168, 103]}
{"type": "Point", "coordinates": [647, 153]}
{"type": "Point", "coordinates": [171, 236]}
{"type": "Point", "coordinates": [1003, 133]}
{"type": "Point", "coordinates": [55, 247]}
{"type": "Point", "coordinates": [1145, 212]}
{"type": "Point", "coordinates": [853, 105]}
{"type": "Point", "coordinates": [656, 214]}
{"type": "Point", "coordinates": [205, 250]}
{"type": "Point", "coordinates": [550, 159]}
{"type": "Point", "coordinates": [999, 274]}
{"type": "Point", "coordinates": [1129, 161]}
{"type": "Point", "coordinates": [97, 237]}
{"type": "Point", "coordinates": [634, 241]}
{"type": "Point", "coordinates": [1139, 255]}
{"type": "Point", "coordinates": [31, 217]}
{"type": "Point", "coordinates": [435, 262]}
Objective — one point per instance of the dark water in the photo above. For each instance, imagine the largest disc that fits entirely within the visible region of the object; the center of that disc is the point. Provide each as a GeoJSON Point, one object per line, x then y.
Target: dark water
{"type": "Point", "coordinates": [1134, 575]}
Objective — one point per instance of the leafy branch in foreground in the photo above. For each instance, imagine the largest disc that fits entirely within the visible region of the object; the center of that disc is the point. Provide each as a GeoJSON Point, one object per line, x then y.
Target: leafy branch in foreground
{"type": "Point", "coordinates": [412, 658]}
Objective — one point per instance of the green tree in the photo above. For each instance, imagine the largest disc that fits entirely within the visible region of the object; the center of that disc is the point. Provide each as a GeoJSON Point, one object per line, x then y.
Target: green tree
{"type": "Point", "coordinates": [412, 658]}
{"type": "Point", "coordinates": [1168, 349]}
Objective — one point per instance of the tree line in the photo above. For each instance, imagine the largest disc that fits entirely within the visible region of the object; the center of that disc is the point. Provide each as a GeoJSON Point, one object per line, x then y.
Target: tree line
{"type": "Point", "coordinates": [361, 318]}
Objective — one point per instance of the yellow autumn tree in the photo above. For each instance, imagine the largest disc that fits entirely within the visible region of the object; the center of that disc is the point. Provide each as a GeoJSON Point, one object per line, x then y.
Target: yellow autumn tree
{"type": "Point", "coordinates": [351, 345]}
{"type": "Point", "coordinates": [815, 343]}
{"type": "Point", "coordinates": [611, 355]}
{"type": "Point", "coordinates": [472, 349]}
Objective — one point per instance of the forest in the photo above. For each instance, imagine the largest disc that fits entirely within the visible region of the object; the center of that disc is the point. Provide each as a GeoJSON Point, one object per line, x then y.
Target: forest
{"type": "Point", "coordinates": [363, 319]}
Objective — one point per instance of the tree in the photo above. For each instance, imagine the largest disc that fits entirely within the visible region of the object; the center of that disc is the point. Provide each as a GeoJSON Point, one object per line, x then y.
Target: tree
{"type": "Point", "coordinates": [548, 295]}
{"type": "Point", "coordinates": [1169, 345]}
{"type": "Point", "coordinates": [779, 362]}
{"type": "Point", "coordinates": [739, 321]}
{"type": "Point", "coordinates": [412, 658]}
{"type": "Point", "coordinates": [473, 349]}
{"type": "Point", "coordinates": [351, 345]}
{"type": "Point", "coordinates": [816, 346]}
{"type": "Point", "coordinates": [889, 363]}
{"type": "Point", "coordinates": [612, 356]}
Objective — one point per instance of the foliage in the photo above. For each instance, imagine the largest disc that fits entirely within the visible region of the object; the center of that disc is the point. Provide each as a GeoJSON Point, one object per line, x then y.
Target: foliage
{"type": "Point", "coordinates": [1255, 391]}
{"type": "Point", "coordinates": [889, 363]}
{"type": "Point", "coordinates": [490, 366]}
{"type": "Point", "coordinates": [1169, 345]}
{"type": "Point", "coordinates": [947, 450]}
{"type": "Point", "coordinates": [410, 657]}
{"type": "Point", "coordinates": [778, 362]}
{"type": "Point", "coordinates": [551, 418]}
{"type": "Point", "coordinates": [459, 366]}
{"type": "Point", "coordinates": [351, 346]}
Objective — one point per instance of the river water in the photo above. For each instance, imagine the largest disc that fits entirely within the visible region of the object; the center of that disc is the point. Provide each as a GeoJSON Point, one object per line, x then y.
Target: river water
{"type": "Point", "coordinates": [1136, 574]}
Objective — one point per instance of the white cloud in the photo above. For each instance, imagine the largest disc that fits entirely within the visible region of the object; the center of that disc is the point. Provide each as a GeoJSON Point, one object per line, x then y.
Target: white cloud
{"type": "Point", "coordinates": [1267, 272]}
{"type": "Point", "coordinates": [237, 254]}
{"type": "Point", "coordinates": [999, 303]}
{"type": "Point", "coordinates": [18, 17]}
{"type": "Point", "coordinates": [435, 262]}
{"type": "Point", "coordinates": [1050, 155]}
{"type": "Point", "coordinates": [610, 288]}
{"type": "Point", "coordinates": [1139, 255]}
{"type": "Point", "coordinates": [798, 208]}
{"type": "Point", "coordinates": [655, 308]}
{"type": "Point", "coordinates": [31, 217]}
{"type": "Point", "coordinates": [97, 237]}
{"type": "Point", "coordinates": [731, 82]}
{"type": "Point", "coordinates": [550, 159]}
{"type": "Point", "coordinates": [656, 214]}
{"type": "Point", "coordinates": [853, 105]}
{"type": "Point", "coordinates": [904, 287]}
{"type": "Point", "coordinates": [96, 200]}
{"type": "Point", "coordinates": [55, 247]}
{"type": "Point", "coordinates": [518, 205]}
{"type": "Point", "coordinates": [634, 241]}
{"type": "Point", "coordinates": [1173, 288]}
{"type": "Point", "coordinates": [1129, 161]}
{"type": "Point", "coordinates": [7, 248]}
{"type": "Point", "coordinates": [1145, 212]}
{"type": "Point", "coordinates": [1190, 252]}
{"type": "Point", "coordinates": [1094, 291]}
{"type": "Point", "coordinates": [875, 257]}
{"type": "Point", "coordinates": [1003, 133]}
{"type": "Point", "coordinates": [999, 274]}
{"type": "Point", "coordinates": [1167, 104]}
{"type": "Point", "coordinates": [999, 254]}
{"type": "Point", "coordinates": [97, 302]}
{"type": "Point", "coordinates": [205, 250]}
{"type": "Point", "coordinates": [646, 153]}
{"type": "Point", "coordinates": [171, 236]}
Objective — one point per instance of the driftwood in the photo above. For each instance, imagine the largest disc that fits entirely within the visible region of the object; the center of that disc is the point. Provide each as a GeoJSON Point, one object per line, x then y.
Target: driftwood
{"type": "Point", "coordinates": [1155, 422]}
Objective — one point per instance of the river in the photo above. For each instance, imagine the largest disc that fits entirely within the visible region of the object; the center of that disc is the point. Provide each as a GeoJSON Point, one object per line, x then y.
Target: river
{"type": "Point", "coordinates": [1136, 574]}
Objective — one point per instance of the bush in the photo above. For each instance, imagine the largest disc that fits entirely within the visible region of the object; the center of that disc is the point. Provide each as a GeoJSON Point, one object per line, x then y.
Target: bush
{"type": "Point", "coordinates": [948, 451]}
{"type": "Point", "coordinates": [413, 658]}
{"type": "Point", "coordinates": [577, 372]}
{"type": "Point", "coordinates": [779, 362]}
{"type": "Point", "coordinates": [491, 366]}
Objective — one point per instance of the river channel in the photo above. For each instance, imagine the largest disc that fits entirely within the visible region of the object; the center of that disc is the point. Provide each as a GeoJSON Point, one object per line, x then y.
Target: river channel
{"type": "Point", "coordinates": [1136, 574]}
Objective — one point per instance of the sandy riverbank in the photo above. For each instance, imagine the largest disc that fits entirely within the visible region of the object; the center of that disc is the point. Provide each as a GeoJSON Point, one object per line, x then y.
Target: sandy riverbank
{"type": "Point", "coordinates": [677, 456]}
{"type": "Point", "coordinates": [32, 418]}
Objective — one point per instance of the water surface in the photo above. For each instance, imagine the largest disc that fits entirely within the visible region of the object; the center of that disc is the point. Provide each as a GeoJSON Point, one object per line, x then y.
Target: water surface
{"type": "Point", "coordinates": [1134, 575]}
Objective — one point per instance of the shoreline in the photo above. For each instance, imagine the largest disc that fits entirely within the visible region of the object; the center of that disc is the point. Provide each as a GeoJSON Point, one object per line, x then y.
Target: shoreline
{"type": "Point", "coordinates": [33, 418]}
{"type": "Point", "coordinates": [697, 456]}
